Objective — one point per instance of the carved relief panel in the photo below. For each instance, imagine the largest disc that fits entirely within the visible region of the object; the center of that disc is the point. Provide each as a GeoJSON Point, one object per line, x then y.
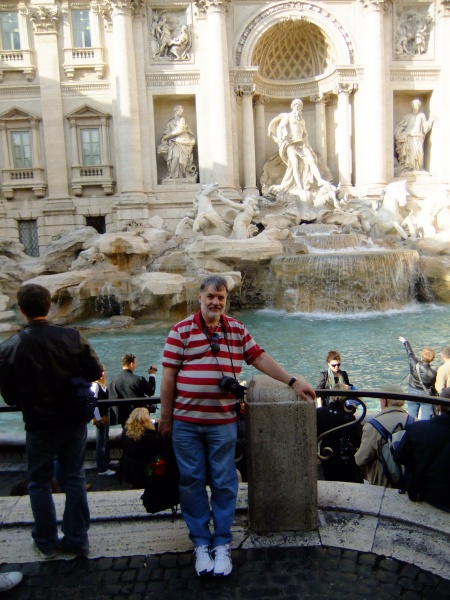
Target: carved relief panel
{"type": "Point", "coordinates": [170, 35]}
{"type": "Point", "coordinates": [413, 32]}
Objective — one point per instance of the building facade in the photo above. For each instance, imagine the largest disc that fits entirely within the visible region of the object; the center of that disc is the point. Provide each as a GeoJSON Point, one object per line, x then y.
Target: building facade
{"type": "Point", "coordinates": [88, 89]}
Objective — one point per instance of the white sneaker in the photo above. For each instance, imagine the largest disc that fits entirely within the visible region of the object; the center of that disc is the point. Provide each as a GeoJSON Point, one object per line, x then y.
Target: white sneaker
{"type": "Point", "coordinates": [204, 564]}
{"type": "Point", "coordinates": [9, 580]}
{"type": "Point", "coordinates": [222, 561]}
{"type": "Point", "coordinates": [108, 472]}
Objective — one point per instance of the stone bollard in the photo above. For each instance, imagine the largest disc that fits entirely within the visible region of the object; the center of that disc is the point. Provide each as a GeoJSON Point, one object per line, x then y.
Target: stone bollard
{"type": "Point", "coordinates": [282, 458]}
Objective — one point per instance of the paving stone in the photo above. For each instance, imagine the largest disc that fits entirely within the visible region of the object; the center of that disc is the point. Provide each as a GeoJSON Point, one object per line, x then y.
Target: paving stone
{"type": "Point", "coordinates": [390, 564]}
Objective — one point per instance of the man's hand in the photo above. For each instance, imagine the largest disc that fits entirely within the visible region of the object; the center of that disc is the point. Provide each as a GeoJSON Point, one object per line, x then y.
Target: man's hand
{"type": "Point", "coordinates": [101, 423]}
{"type": "Point", "coordinates": [165, 428]}
{"type": "Point", "coordinates": [152, 370]}
{"type": "Point", "coordinates": [303, 390]}
{"type": "Point", "coordinates": [402, 339]}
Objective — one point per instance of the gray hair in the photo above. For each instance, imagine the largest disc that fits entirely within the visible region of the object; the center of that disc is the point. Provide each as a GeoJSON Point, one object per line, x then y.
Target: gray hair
{"type": "Point", "coordinates": [215, 281]}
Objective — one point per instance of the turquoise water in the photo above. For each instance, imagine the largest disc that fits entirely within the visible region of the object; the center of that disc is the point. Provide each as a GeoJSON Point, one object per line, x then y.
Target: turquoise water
{"type": "Point", "coordinates": [368, 343]}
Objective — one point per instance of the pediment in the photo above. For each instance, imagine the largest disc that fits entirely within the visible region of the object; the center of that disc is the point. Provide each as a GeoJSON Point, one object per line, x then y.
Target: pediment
{"type": "Point", "coordinates": [16, 114]}
{"type": "Point", "coordinates": [87, 112]}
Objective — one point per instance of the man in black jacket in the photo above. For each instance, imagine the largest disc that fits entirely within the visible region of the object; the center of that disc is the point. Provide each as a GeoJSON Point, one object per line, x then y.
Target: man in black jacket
{"type": "Point", "coordinates": [36, 367]}
{"type": "Point", "coordinates": [129, 385]}
{"type": "Point", "coordinates": [425, 451]}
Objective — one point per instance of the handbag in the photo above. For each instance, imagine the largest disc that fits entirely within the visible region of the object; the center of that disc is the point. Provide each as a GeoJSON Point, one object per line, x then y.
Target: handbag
{"type": "Point", "coordinates": [161, 491]}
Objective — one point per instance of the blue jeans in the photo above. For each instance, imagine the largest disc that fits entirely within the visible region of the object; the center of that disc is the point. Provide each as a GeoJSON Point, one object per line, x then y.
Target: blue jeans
{"type": "Point", "coordinates": [207, 451]}
{"type": "Point", "coordinates": [68, 445]}
{"type": "Point", "coordinates": [102, 456]}
{"type": "Point", "coordinates": [426, 410]}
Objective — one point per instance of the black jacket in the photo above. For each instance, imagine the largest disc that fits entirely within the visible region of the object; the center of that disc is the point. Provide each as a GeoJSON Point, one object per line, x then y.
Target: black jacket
{"type": "Point", "coordinates": [425, 451]}
{"type": "Point", "coordinates": [128, 385]}
{"type": "Point", "coordinates": [137, 456]}
{"type": "Point", "coordinates": [322, 384]}
{"type": "Point", "coordinates": [36, 366]}
{"type": "Point", "coordinates": [427, 373]}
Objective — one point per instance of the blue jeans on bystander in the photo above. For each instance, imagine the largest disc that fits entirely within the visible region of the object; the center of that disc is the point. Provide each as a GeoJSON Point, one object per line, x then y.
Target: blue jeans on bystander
{"type": "Point", "coordinates": [68, 444]}
{"type": "Point", "coordinates": [205, 454]}
{"type": "Point", "coordinates": [102, 455]}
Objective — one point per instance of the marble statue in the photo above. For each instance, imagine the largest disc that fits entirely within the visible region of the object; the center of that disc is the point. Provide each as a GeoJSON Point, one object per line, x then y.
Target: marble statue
{"type": "Point", "coordinates": [207, 220]}
{"type": "Point", "coordinates": [413, 28]}
{"type": "Point", "coordinates": [177, 146]}
{"type": "Point", "coordinates": [288, 130]}
{"type": "Point", "coordinates": [179, 47]}
{"type": "Point", "coordinates": [409, 137]}
{"type": "Point", "coordinates": [242, 225]}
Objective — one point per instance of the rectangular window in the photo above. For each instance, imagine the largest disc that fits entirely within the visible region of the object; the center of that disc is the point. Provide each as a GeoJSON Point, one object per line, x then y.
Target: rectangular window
{"type": "Point", "coordinates": [97, 223]}
{"type": "Point", "coordinates": [81, 29]}
{"type": "Point", "coordinates": [9, 30]}
{"type": "Point", "coordinates": [21, 149]}
{"type": "Point", "coordinates": [28, 235]}
{"type": "Point", "coordinates": [90, 147]}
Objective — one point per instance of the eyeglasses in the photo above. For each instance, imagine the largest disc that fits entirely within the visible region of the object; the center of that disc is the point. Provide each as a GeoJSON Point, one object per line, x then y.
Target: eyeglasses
{"type": "Point", "coordinates": [335, 365]}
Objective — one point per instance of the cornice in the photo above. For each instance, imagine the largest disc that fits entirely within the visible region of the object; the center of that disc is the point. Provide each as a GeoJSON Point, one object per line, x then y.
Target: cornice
{"type": "Point", "coordinates": [173, 79]}
{"type": "Point", "coordinates": [415, 74]}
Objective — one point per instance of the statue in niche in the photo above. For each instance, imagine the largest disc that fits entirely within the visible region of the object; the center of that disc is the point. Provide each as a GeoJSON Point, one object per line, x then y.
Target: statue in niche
{"type": "Point", "coordinates": [177, 147]}
{"type": "Point", "coordinates": [288, 130]}
{"type": "Point", "coordinates": [413, 34]}
{"type": "Point", "coordinates": [409, 137]}
{"type": "Point", "coordinates": [179, 47]}
{"type": "Point", "coordinates": [161, 35]}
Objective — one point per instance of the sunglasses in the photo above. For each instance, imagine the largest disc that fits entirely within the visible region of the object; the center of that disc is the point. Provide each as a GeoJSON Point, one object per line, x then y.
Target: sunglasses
{"type": "Point", "coordinates": [335, 365]}
{"type": "Point", "coordinates": [215, 347]}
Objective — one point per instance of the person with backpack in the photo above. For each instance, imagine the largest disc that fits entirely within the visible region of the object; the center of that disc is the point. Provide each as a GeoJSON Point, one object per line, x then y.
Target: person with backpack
{"type": "Point", "coordinates": [392, 418]}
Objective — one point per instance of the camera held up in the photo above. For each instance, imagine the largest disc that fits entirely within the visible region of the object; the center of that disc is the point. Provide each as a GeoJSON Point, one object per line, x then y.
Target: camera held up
{"type": "Point", "coordinates": [229, 384]}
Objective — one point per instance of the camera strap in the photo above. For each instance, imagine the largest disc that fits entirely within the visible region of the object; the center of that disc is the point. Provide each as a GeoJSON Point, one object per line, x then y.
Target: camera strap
{"type": "Point", "coordinates": [205, 331]}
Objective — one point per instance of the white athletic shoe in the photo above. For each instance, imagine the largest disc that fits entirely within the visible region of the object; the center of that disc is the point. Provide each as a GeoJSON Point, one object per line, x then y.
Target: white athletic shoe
{"type": "Point", "coordinates": [9, 580]}
{"type": "Point", "coordinates": [204, 564]}
{"type": "Point", "coordinates": [108, 473]}
{"type": "Point", "coordinates": [222, 561]}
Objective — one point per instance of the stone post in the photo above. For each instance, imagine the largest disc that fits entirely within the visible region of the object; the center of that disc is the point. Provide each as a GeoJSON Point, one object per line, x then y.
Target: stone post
{"type": "Point", "coordinates": [282, 458]}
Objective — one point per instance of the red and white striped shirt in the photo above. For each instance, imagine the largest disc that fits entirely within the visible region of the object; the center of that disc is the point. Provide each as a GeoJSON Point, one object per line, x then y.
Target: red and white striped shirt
{"type": "Point", "coordinates": [199, 397]}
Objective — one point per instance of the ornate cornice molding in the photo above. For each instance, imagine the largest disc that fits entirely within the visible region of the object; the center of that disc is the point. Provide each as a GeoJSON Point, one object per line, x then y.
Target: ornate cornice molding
{"type": "Point", "coordinates": [375, 4]}
{"type": "Point", "coordinates": [303, 8]}
{"type": "Point", "coordinates": [29, 90]}
{"type": "Point", "coordinates": [82, 88]}
{"type": "Point", "coordinates": [45, 20]}
{"type": "Point", "coordinates": [171, 80]}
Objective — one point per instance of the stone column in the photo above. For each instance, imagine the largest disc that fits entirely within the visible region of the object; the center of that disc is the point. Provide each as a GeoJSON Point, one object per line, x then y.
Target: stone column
{"type": "Point", "coordinates": [374, 121]}
{"type": "Point", "coordinates": [320, 101]}
{"type": "Point", "coordinates": [123, 67]}
{"type": "Point", "coordinates": [45, 23]}
{"type": "Point", "coordinates": [260, 134]}
{"type": "Point", "coordinates": [282, 458]}
{"type": "Point", "coordinates": [248, 137]}
{"type": "Point", "coordinates": [343, 133]}
{"type": "Point", "coordinates": [217, 81]}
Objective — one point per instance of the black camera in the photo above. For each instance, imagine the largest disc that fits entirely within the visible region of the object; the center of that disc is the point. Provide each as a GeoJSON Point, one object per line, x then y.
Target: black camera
{"type": "Point", "coordinates": [229, 384]}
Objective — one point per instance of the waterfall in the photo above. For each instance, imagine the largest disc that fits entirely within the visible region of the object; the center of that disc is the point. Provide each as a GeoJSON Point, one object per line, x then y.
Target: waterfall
{"type": "Point", "coordinates": [341, 282]}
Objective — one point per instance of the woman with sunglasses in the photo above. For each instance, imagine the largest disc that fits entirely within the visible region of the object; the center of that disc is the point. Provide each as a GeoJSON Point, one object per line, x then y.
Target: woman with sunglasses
{"type": "Point", "coordinates": [332, 376]}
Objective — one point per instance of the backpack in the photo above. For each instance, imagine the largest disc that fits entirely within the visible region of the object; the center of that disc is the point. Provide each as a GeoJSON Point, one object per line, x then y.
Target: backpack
{"type": "Point", "coordinates": [393, 472]}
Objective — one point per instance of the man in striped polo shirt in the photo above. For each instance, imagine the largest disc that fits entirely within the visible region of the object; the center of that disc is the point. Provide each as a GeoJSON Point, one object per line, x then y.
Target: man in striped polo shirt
{"type": "Point", "coordinates": [202, 360]}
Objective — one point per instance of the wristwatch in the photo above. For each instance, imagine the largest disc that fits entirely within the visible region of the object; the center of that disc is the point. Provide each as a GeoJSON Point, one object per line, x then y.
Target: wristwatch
{"type": "Point", "coordinates": [292, 381]}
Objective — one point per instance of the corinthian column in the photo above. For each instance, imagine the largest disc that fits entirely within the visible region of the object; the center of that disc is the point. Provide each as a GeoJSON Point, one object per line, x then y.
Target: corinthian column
{"type": "Point", "coordinates": [343, 133]}
{"type": "Point", "coordinates": [320, 102]}
{"type": "Point", "coordinates": [260, 133]}
{"type": "Point", "coordinates": [248, 136]}
{"type": "Point", "coordinates": [374, 140]}
{"type": "Point", "coordinates": [123, 67]}
{"type": "Point", "coordinates": [217, 80]}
